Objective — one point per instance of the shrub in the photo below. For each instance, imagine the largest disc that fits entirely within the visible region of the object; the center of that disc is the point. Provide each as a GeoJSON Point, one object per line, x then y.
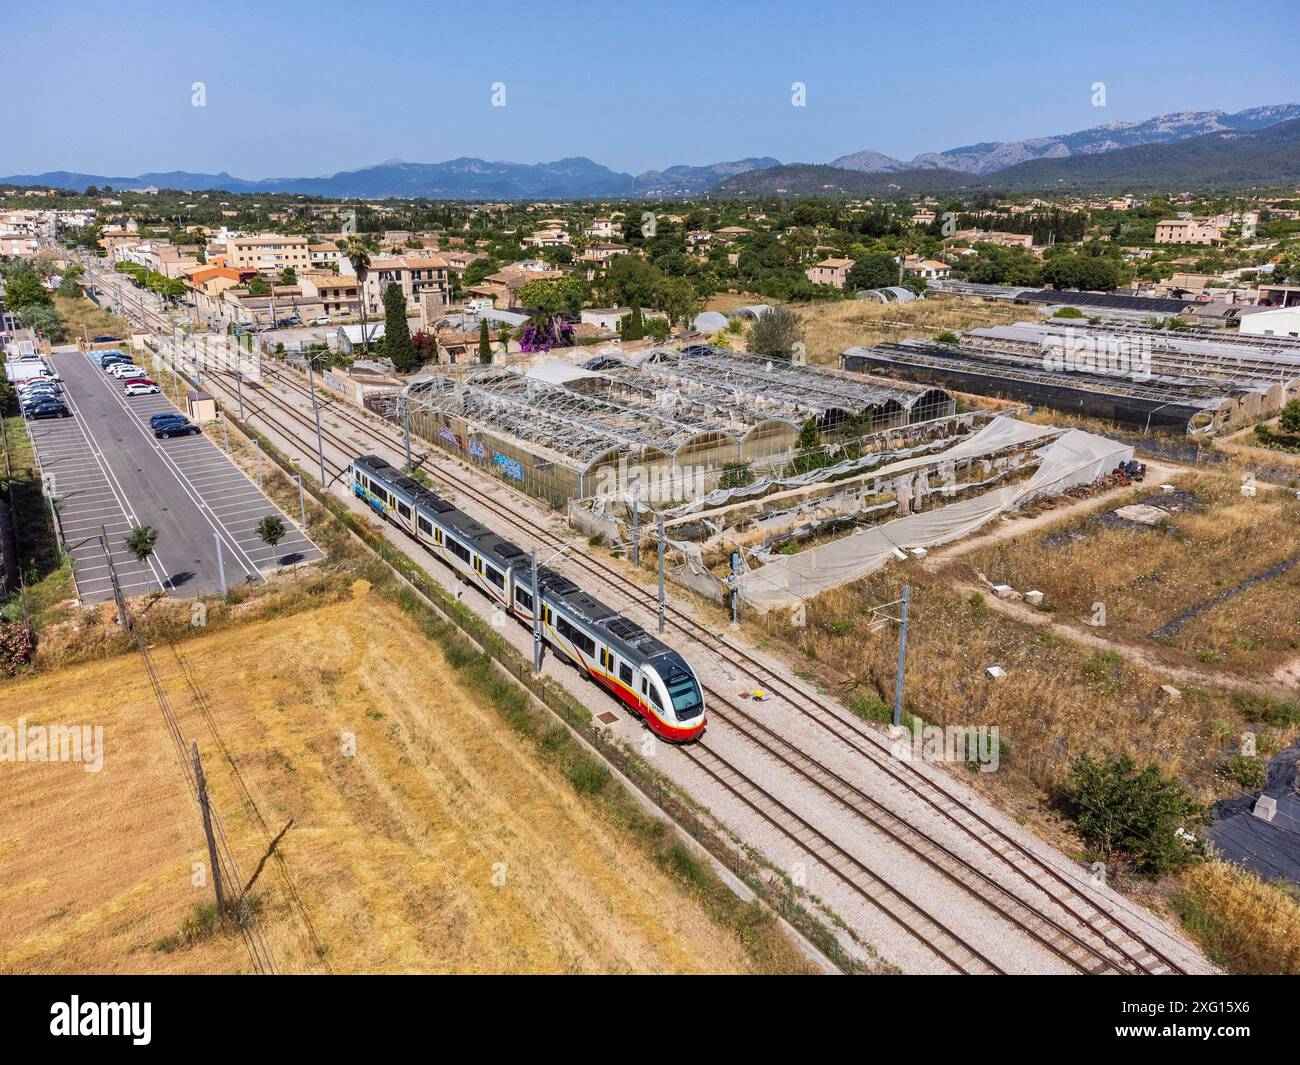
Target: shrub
{"type": "Point", "coordinates": [1248, 773]}
{"type": "Point", "coordinates": [1132, 814]}
{"type": "Point", "coordinates": [15, 647]}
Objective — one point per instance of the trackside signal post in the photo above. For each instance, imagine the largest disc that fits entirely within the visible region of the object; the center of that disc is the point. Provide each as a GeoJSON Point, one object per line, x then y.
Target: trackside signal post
{"type": "Point", "coordinates": [537, 619]}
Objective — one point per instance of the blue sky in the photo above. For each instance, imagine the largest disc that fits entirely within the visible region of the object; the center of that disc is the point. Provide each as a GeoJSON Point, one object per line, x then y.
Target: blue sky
{"type": "Point", "coordinates": [301, 89]}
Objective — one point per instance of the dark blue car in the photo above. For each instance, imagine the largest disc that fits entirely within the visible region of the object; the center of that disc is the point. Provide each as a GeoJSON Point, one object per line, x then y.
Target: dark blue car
{"type": "Point", "coordinates": [184, 427]}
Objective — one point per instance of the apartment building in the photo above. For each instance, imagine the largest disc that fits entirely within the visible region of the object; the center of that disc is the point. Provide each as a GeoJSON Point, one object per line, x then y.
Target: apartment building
{"type": "Point", "coordinates": [340, 296]}
{"type": "Point", "coordinates": [324, 256]}
{"type": "Point", "coordinates": [422, 279]}
{"type": "Point", "coordinates": [1188, 231]}
{"type": "Point", "coordinates": [268, 253]}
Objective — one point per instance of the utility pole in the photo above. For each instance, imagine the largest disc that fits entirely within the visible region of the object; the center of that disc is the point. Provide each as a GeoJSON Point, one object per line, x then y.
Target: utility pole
{"type": "Point", "coordinates": [315, 407]}
{"type": "Point", "coordinates": [636, 518]}
{"type": "Point", "coordinates": [537, 618]}
{"type": "Point", "coordinates": [239, 388]}
{"type": "Point", "coordinates": [661, 574]}
{"type": "Point", "coordinates": [202, 786]}
{"type": "Point", "coordinates": [221, 564]}
{"type": "Point", "coordinates": [735, 588]}
{"type": "Point", "coordinates": [302, 498]}
{"type": "Point", "coordinates": [406, 429]}
{"type": "Point", "coordinates": [902, 658]}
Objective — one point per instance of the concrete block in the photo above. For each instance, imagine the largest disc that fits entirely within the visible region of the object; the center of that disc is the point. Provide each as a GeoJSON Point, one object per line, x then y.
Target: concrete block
{"type": "Point", "coordinates": [919, 552]}
{"type": "Point", "coordinates": [1171, 691]}
{"type": "Point", "coordinates": [1034, 598]}
{"type": "Point", "coordinates": [1005, 591]}
{"type": "Point", "coordinates": [1265, 808]}
{"type": "Point", "coordinates": [996, 672]}
{"type": "Point", "coordinates": [1167, 489]}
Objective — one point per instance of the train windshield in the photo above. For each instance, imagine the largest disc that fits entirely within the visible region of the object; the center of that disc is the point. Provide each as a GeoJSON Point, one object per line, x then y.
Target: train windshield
{"type": "Point", "coordinates": [682, 688]}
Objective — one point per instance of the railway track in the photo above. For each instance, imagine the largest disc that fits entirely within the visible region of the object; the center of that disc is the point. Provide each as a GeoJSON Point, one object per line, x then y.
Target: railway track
{"type": "Point", "coordinates": [1082, 933]}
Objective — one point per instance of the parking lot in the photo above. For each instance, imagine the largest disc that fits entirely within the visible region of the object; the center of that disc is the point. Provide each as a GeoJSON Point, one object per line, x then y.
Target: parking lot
{"type": "Point", "coordinates": [109, 473]}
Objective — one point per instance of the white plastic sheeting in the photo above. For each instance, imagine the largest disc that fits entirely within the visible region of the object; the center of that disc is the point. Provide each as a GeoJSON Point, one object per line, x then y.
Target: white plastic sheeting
{"type": "Point", "coordinates": [1072, 459]}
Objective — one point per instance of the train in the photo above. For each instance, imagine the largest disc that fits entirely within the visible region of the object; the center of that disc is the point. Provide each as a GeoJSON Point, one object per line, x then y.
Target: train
{"type": "Point", "coordinates": [647, 675]}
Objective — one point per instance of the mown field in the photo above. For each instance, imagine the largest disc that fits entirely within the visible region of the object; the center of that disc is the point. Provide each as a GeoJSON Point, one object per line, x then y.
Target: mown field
{"type": "Point", "coordinates": [443, 845]}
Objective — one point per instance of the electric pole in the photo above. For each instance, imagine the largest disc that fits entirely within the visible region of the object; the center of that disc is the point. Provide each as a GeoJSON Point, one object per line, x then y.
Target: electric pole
{"type": "Point", "coordinates": [661, 574]}
{"type": "Point", "coordinates": [202, 786]}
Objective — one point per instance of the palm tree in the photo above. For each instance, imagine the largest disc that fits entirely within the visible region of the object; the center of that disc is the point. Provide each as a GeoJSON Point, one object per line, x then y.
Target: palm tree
{"type": "Point", "coordinates": [357, 249]}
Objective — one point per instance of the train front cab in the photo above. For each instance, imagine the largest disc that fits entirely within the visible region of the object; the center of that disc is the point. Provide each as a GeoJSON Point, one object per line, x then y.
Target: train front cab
{"type": "Point", "coordinates": [675, 705]}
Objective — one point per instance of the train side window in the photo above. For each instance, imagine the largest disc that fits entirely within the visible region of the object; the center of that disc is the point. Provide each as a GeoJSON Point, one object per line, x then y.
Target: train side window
{"type": "Point", "coordinates": [523, 598]}
{"type": "Point", "coordinates": [654, 698]}
{"type": "Point", "coordinates": [625, 673]}
{"type": "Point", "coordinates": [587, 644]}
{"type": "Point", "coordinates": [403, 509]}
{"type": "Point", "coordinates": [424, 524]}
{"type": "Point", "coordinates": [643, 686]}
{"type": "Point", "coordinates": [499, 579]}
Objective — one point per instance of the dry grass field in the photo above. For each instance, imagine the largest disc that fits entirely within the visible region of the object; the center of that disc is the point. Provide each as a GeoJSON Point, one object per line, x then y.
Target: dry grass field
{"type": "Point", "coordinates": [81, 318]}
{"type": "Point", "coordinates": [1150, 577]}
{"type": "Point", "coordinates": [829, 328]}
{"type": "Point", "coordinates": [443, 845]}
{"type": "Point", "coordinates": [1058, 700]}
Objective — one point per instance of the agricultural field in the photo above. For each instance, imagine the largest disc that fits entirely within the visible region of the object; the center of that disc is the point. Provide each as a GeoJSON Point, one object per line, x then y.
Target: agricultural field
{"type": "Point", "coordinates": [443, 845]}
{"type": "Point", "coordinates": [1210, 578]}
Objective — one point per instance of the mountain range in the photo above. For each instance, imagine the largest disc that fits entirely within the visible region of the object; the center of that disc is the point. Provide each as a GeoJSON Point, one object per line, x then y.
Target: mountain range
{"type": "Point", "coordinates": [998, 155]}
{"type": "Point", "coordinates": [1080, 156]}
{"type": "Point", "coordinates": [1265, 157]}
{"type": "Point", "coordinates": [455, 179]}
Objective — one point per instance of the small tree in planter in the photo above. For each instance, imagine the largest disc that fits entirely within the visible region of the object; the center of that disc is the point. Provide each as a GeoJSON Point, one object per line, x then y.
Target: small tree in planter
{"type": "Point", "coordinates": [271, 530]}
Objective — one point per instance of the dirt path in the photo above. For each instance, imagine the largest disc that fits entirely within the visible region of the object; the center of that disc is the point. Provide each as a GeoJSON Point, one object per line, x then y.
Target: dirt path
{"type": "Point", "coordinates": [1287, 676]}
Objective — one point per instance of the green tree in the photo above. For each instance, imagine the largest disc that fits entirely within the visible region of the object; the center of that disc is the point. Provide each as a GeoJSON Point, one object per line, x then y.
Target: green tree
{"type": "Point", "coordinates": [271, 530]}
{"type": "Point", "coordinates": [877, 270]}
{"type": "Point", "coordinates": [1132, 814]}
{"type": "Point", "coordinates": [484, 342]}
{"type": "Point", "coordinates": [141, 541]}
{"type": "Point", "coordinates": [677, 298]}
{"type": "Point", "coordinates": [632, 326]}
{"type": "Point", "coordinates": [397, 334]}
{"type": "Point", "coordinates": [357, 251]}
{"type": "Point", "coordinates": [629, 280]}
{"type": "Point", "coordinates": [776, 333]}
{"type": "Point", "coordinates": [1289, 421]}
{"type": "Point", "coordinates": [68, 283]}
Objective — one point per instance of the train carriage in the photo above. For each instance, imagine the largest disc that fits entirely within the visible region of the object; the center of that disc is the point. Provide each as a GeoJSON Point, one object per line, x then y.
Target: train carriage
{"type": "Point", "coordinates": [612, 650]}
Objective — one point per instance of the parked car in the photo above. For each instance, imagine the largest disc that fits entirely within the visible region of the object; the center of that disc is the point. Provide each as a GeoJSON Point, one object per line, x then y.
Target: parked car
{"type": "Point", "coordinates": [126, 369]}
{"type": "Point", "coordinates": [321, 321]}
{"type": "Point", "coordinates": [37, 382]}
{"type": "Point", "coordinates": [156, 420]}
{"type": "Point", "coordinates": [141, 386]}
{"type": "Point", "coordinates": [48, 409]}
{"type": "Point", "coordinates": [39, 395]}
{"type": "Point", "coordinates": [184, 427]}
{"type": "Point", "coordinates": [105, 339]}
